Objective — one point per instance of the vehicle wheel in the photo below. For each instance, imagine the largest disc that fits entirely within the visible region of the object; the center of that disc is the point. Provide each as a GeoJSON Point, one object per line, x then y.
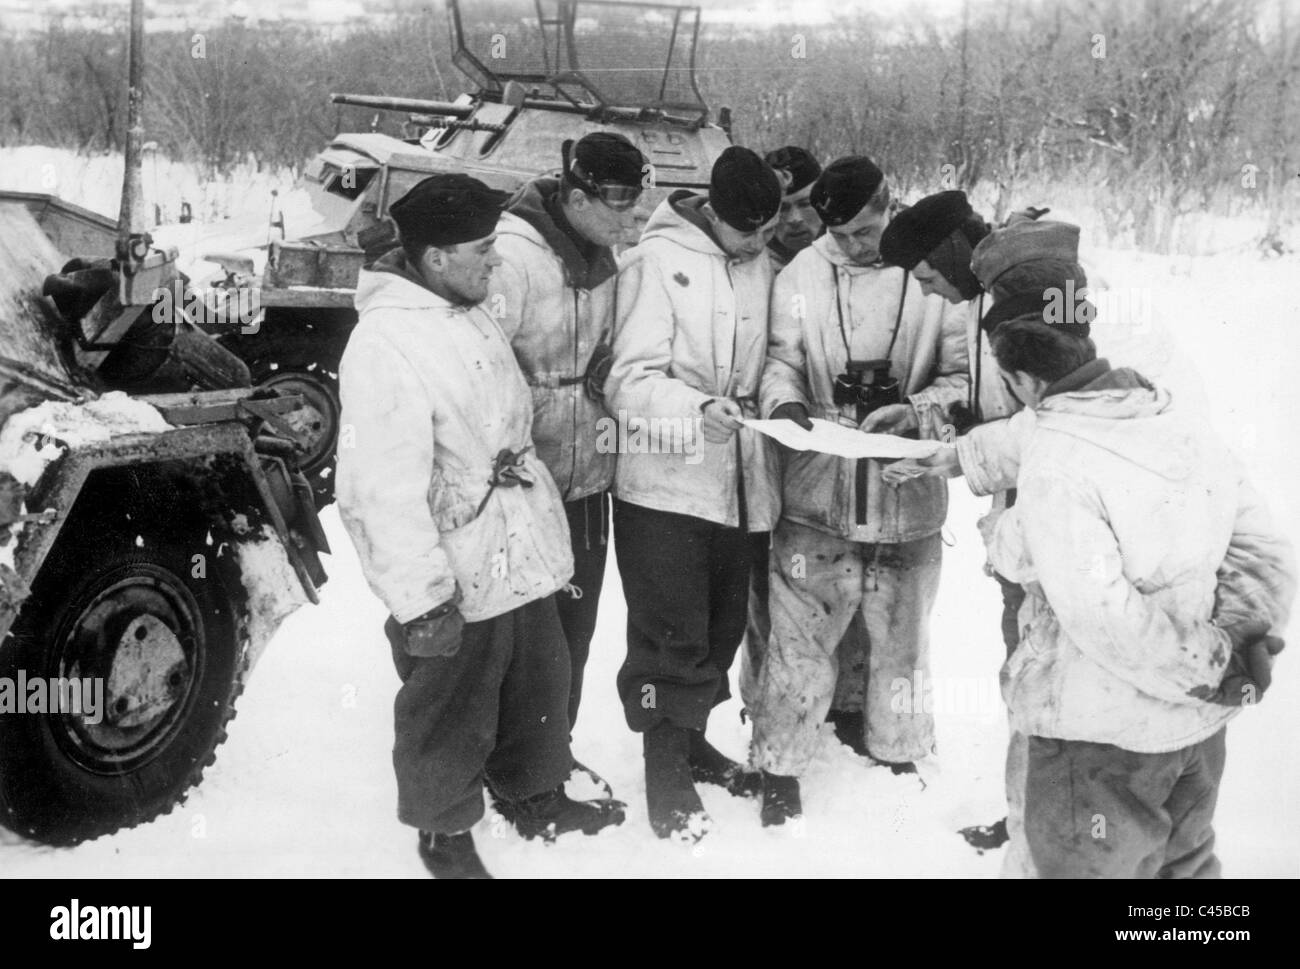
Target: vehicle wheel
{"type": "Point", "coordinates": [318, 420]}
{"type": "Point", "coordinates": [168, 649]}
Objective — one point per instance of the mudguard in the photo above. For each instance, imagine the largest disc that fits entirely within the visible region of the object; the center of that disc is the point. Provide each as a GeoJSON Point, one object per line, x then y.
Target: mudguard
{"type": "Point", "coordinates": [222, 449]}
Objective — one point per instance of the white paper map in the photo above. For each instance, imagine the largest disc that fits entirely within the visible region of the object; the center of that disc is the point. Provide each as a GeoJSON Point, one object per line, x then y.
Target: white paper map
{"type": "Point", "coordinates": [845, 442]}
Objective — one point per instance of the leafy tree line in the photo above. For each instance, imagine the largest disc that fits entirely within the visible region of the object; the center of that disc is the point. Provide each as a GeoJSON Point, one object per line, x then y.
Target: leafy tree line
{"type": "Point", "coordinates": [1165, 108]}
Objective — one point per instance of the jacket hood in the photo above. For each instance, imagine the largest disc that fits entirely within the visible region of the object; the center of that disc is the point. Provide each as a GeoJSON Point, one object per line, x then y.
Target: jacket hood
{"type": "Point", "coordinates": [391, 284]}
{"type": "Point", "coordinates": [537, 217]}
{"type": "Point", "coordinates": [1119, 411]}
{"type": "Point", "coordinates": [679, 219]}
{"type": "Point", "coordinates": [831, 251]}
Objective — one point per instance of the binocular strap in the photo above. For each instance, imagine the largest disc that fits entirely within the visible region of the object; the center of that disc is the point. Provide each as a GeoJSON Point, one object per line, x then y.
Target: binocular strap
{"type": "Point", "coordinates": [860, 489]}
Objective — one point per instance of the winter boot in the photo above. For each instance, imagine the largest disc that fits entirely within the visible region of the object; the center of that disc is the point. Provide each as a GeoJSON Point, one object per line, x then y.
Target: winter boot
{"type": "Point", "coordinates": [986, 837]}
{"type": "Point", "coordinates": [553, 813]}
{"type": "Point", "coordinates": [850, 729]}
{"type": "Point", "coordinates": [781, 801]}
{"type": "Point", "coordinates": [676, 811]}
{"type": "Point", "coordinates": [711, 766]}
{"type": "Point", "coordinates": [451, 855]}
{"type": "Point", "coordinates": [584, 784]}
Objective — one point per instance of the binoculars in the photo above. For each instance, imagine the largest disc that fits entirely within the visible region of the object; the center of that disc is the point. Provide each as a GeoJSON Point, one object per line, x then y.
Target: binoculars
{"type": "Point", "coordinates": [867, 385]}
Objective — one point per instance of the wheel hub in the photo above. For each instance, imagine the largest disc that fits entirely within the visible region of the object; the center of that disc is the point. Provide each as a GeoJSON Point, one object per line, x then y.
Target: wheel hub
{"type": "Point", "coordinates": [141, 635]}
{"type": "Point", "coordinates": [148, 674]}
{"type": "Point", "coordinates": [316, 420]}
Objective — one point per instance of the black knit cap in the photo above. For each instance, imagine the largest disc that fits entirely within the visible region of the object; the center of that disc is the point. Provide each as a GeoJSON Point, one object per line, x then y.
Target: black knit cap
{"type": "Point", "coordinates": [845, 187]}
{"type": "Point", "coordinates": [796, 168]}
{"type": "Point", "coordinates": [447, 209]}
{"type": "Point", "coordinates": [916, 232]}
{"type": "Point", "coordinates": [605, 156]}
{"type": "Point", "coordinates": [743, 190]}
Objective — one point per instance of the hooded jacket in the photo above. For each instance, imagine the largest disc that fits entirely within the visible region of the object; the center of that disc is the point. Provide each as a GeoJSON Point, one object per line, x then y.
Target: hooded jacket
{"type": "Point", "coordinates": [556, 308]}
{"type": "Point", "coordinates": [1139, 543]}
{"type": "Point", "coordinates": [691, 326]}
{"type": "Point", "coordinates": [432, 394]}
{"type": "Point", "coordinates": [806, 352]}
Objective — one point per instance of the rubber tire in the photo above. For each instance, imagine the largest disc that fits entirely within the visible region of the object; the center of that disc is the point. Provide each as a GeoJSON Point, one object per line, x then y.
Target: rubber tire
{"type": "Point", "coordinates": [275, 356]}
{"type": "Point", "coordinates": [47, 795]}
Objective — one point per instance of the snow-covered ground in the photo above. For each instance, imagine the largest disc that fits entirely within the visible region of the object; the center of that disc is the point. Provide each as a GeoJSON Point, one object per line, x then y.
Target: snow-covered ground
{"type": "Point", "coordinates": [304, 785]}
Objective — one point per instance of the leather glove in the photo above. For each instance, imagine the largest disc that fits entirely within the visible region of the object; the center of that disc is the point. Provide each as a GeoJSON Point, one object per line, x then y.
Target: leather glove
{"type": "Point", "coordinates": [1249, 672]}
{"type": "Point", "coordinates": [598, 371]}
{"type": "Point", "coordinates": [436, 633]}
{"type": "Point", "coordinates": [961, 417]}
{"type": "Point", "coordinates": [793, 411]}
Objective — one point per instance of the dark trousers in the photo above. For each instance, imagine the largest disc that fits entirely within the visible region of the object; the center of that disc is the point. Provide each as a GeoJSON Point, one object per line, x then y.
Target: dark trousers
{"type": "Point", "coordinates": [686, 581]}
{"type": "Point", "coordinates": [1013, 594]}
{"type": "Point", "coordinates": [589, 534]}
{"type": "Point", "coordinates": [758, 622]}
{"type": "Point", "coordinates": [1099, 811]}
{"type": "Point", "coordinates": [494, 711]}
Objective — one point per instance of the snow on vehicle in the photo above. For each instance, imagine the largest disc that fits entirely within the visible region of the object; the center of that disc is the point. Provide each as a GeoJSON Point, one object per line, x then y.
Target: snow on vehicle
{"type": "Point", "coordinates": [154, 528]}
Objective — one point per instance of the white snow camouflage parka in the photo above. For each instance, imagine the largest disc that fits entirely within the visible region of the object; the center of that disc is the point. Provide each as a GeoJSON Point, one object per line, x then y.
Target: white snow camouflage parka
{"type": "Point", "coordinates": [1139, 542]}
{"type": "Point", "coordinates": [554, 323]}
{"type": "Point", "coordinates": [691, 325]}
{"type": "Point", "coordinates": [431, 394]}
{"type": "Point", "coordinates": [805, 353]}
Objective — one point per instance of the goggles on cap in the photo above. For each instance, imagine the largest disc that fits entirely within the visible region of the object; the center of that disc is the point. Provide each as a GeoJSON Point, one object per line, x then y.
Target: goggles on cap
{"type": "Point", "coordinates": [619, 196]}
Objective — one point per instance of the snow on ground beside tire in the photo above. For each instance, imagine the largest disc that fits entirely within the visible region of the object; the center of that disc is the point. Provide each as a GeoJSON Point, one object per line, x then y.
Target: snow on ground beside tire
{"type": "Point", "coordinates": [274, 590]}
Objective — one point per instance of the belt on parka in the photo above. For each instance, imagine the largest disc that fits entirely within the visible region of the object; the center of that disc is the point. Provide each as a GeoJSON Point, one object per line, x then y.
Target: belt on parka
{"type": "Point", "coordinates": [507, 472]}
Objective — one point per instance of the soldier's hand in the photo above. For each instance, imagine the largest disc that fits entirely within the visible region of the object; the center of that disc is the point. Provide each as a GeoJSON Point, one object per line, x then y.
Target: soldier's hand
{"type": "Point", "coordinates": [1249, 672]}
{"type": "Point", "coordinates": [943, 463]}
{"type": "Point", "coordinates": [793, 411]}
{"type": "Point", "coordinates": [891, 419]}
{"type": "Point", "coordinates": [721, 420]}
{"type": "Point", "coordinates": [602, 358]}
{"type": "Point", "coordinates": [1245, 632]}
{"type": "Point", "coordinates": [436, 633]}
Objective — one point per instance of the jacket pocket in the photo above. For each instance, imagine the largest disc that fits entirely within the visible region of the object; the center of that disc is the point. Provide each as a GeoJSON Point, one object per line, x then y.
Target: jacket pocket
{"type": "Point", "coordinates": [552, 426]}
{"type": "Point", "coordinates": [1038, 631]}
{"type": "Point", "coordinates": [810, 486]}
{"type": "Point", "coordinates": [452, 498]}
{"type": "Point", "coordinates": [479, 557]}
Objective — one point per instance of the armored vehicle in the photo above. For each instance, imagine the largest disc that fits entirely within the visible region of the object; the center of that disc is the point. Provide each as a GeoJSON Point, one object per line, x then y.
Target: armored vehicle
{"type": "Point", "coordinates": [555, 70]}
{"type": "Point", "coordinates": [149, 544]}
{"type": "Point", "coordinates": [154, 527]}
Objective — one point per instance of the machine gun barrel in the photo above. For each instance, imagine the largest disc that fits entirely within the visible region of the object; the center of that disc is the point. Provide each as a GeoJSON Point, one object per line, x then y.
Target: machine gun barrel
{"type": "Point", "coordinates": [416, 105]}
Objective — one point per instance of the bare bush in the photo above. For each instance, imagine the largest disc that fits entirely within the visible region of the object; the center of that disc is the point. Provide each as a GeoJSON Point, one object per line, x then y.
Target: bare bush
{"type": "Point", "coordinates": [1163, 109]}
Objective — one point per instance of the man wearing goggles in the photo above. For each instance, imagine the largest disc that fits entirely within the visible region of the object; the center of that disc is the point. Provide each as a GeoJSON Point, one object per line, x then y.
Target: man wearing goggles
{"type": "Point", "coordinates": [553, 296]}
{"type": "Point", "coordinates": [619, 196]}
